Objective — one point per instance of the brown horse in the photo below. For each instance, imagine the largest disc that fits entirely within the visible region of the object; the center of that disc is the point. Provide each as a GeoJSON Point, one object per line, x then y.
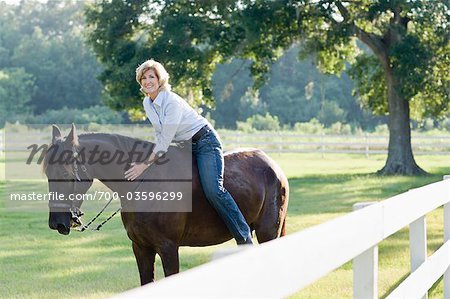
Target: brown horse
{"type": "Point", "coordinates": [255, 181]}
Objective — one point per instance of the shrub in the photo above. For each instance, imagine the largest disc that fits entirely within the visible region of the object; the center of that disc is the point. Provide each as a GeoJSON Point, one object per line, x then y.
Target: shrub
{"type": "Point", "coordinates": [340, 128]}
{"type": "Point", "coordinates": [445, 124]}
{"type": "Point", "coordinates": [427, 125]}
{"type": "Point", "coordinates": [244, 127]}
{"type": "Point", "coordinates": [261, 122]}
{"type": "Point", "coordinates": [382, 129]}
{"type": "Point", "coordinates": [311, 127]}
{"type": "Point", "coordinates": [331, 113]}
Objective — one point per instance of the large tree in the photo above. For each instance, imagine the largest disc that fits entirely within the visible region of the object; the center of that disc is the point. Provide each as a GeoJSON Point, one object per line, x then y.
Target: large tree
{"type": "Point", "coordinates": [405, 68]}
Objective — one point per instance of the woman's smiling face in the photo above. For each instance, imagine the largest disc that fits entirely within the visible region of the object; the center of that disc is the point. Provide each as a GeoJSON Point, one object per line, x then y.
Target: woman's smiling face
{"type": "Point", "coordinates": [150, 83]}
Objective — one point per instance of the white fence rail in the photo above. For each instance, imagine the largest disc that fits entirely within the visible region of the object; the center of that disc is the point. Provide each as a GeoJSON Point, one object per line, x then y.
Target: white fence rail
{"type": "Point", "coordinates": [286, 142]}
{"type": "Point", "coordinates": [285, 266]}
{"type": "Point", "coordinates": [283, 142]}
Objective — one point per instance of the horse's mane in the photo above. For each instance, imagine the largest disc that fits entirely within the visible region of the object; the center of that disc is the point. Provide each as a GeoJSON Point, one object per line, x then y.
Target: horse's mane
{"type": "Point", "coordinates": [120, 141]}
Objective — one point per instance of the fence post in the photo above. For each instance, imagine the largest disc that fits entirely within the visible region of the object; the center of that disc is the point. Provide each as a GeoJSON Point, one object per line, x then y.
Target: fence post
{"type": "Point", "coordinates": [238, 139]}
{"type": "Point", "coordinates": [2, 142]}
{"type": "Point", "coordinates": [366, 141]}
{"type": "Point", "coordinates": [280, 145]}
{"type": "Point", "coordinates": [446, 278]}
{"type": "Point", "coordinates": [322, 144]}
{"type": "Point", "coordinates": [365, 274]}
{"type": "Point", "coordinates": [365, 268]}
{"type": "Point", "coordinates": [418, 244]}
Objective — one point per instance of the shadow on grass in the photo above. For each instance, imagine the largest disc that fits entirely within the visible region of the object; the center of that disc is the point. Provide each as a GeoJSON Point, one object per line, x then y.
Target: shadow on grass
{"type": "Point", "coordinates": [81, 264]}
{"type": "Point", "coordinates": [75, 265]}
{"type": "Point", "coordinates": [394, 251]}
{"type": "Point", "coordinates": [103, 263]}
{"type": "Point", "coordinates": [393, 287]}
{"type": "Point", "coordinates": [337, 193]}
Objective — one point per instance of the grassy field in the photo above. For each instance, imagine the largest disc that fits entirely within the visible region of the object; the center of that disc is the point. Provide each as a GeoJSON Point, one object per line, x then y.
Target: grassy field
{"type": "Point", "coordinates": [36, 262]}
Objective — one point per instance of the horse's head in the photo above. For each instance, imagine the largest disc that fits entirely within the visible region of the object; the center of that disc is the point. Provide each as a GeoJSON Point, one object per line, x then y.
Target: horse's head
{"type": "Point", "coordinates": [67, 176]}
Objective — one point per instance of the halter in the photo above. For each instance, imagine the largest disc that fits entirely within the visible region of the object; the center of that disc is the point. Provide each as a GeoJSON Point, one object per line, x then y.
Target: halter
{"type": "Point", "coordinates": [76, 157]}
{"type": "Point", "coordinates": [76, 213]}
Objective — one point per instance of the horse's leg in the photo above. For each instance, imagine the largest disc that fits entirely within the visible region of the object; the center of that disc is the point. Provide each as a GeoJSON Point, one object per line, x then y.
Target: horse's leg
{"type": "Point", "coordinates": [145, 259]}
{"type": "Point", "coordinates": [169, 258]}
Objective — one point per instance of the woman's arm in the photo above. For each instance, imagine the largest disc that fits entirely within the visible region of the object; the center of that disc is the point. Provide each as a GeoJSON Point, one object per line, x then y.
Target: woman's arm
{"type": "Point", "coordinates": [172, 117]}
{"type": "Point", "coordinates": [173, 114]}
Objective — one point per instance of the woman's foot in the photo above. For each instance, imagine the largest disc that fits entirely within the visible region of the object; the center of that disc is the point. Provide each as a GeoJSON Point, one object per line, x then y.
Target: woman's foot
{"type": "Point", "coordinates": [247, 241]}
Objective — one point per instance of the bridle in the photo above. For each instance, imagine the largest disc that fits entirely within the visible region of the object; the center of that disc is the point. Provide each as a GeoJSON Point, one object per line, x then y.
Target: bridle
{"type": "Point", "coordinates": [75, 211]}
{"type": "Point", "coordinates": [76, 160]}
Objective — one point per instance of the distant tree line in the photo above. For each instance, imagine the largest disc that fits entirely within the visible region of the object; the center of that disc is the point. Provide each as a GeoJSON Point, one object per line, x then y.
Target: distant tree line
{"type": "Point", "coordinates": [44, 60]}
{"type": "Point", "coordinates": [295, 92]}
{"type": "Point", "coordinates": [49, 74]}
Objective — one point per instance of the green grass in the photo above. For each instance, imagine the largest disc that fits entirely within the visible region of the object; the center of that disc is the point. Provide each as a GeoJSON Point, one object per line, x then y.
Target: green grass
{"type": "Point", "coordinates": [36, 262]}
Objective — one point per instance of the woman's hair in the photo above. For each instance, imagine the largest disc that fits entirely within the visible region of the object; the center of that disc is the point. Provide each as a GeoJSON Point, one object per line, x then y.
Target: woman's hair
{"type": "Point", "coordinates": [160, 71]}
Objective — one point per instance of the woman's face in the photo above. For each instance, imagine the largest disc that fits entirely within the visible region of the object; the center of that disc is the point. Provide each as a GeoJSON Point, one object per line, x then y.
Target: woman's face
{"type": "Point", "coordinates": [149, 83]}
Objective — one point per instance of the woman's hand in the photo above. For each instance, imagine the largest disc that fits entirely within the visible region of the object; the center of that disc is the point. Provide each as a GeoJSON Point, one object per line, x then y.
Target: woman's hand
{"type": "Point", "coordinates": [136, 170]}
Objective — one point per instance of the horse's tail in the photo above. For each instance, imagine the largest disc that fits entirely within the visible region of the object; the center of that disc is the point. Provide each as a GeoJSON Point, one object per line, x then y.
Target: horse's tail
{"type": "Point", "coordinates": [283, 228]}
{"type": "Point", "coordinates": [271, 223]}
{"type": "Point", "coordinates": [283, 200]}
{"type": "Point", "coordinates": [282, 197]}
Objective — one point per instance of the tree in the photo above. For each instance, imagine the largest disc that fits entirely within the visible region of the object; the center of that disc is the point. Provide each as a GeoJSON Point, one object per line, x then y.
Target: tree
{"type": "Point", "coordinates": [16, 90]}
{"type": "Point", "coordinates": [46, 40]}
{"type": "Point", "coordinates": [125, 33]}
{"type": "Point", "coordinates": [409, 42]}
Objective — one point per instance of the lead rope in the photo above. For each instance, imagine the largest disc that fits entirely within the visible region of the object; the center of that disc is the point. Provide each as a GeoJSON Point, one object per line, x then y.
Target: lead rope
{"type": "Point", "coordinates": [113, 214]}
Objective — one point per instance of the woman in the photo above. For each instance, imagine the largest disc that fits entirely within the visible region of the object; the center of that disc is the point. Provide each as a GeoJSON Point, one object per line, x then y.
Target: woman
{"type": "Point", "coordinates": [174, 120]}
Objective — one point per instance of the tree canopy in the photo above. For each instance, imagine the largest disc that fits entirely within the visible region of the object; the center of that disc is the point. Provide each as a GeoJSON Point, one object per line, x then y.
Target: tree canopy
{"type": "Point", "coordinates": [406, 69]}
{"type": "Point", "coordinates": [295, 91]}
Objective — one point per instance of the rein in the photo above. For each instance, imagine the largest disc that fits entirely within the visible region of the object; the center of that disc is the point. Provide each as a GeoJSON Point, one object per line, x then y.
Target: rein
{"type": "Point", "coordinates": [77, 213]}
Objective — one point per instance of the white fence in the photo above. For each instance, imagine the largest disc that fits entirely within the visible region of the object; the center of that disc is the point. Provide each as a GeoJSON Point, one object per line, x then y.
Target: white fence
{"type": "Point", "coordinates": [282, 142]}
{"type": "Point", "coordinates": [287, 142]}
{"type": "Point", "coordinates": [285, 266]}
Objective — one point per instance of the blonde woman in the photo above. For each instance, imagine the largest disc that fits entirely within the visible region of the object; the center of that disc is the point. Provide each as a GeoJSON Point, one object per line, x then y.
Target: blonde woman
{"type": "Point", "coordinates": [174, 120]}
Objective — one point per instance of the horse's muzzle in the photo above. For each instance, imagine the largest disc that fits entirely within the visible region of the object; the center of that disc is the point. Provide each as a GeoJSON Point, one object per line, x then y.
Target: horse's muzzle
{"type": "Point", "coordinates": [63, 230]}
{"type": "Point", "coordinates": [60, 222]}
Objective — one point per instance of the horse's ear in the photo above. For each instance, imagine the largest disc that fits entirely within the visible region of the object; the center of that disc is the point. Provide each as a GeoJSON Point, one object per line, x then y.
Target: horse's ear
{"type": "Point", "coordinates": [72, 138]}
{"type": "Point", "coordinates": [56, 134]}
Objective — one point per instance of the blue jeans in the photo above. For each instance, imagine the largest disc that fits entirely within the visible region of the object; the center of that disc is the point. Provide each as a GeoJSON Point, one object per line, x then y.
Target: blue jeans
{"type": "Point", "coordinates": [208, 152]}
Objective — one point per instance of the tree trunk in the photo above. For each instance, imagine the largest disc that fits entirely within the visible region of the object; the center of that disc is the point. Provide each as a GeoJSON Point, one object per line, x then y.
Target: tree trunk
{"type": "Point", "coordinates": [400, 160]}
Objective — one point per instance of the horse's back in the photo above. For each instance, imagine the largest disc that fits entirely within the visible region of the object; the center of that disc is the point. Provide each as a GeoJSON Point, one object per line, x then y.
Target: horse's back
{"type": "Point", "coordinates": [244, 163]}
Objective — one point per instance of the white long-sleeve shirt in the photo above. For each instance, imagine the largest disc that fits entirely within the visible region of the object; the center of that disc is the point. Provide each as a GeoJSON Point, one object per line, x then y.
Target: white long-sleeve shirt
{"type": "Point", "coordinates": [172, 118]}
